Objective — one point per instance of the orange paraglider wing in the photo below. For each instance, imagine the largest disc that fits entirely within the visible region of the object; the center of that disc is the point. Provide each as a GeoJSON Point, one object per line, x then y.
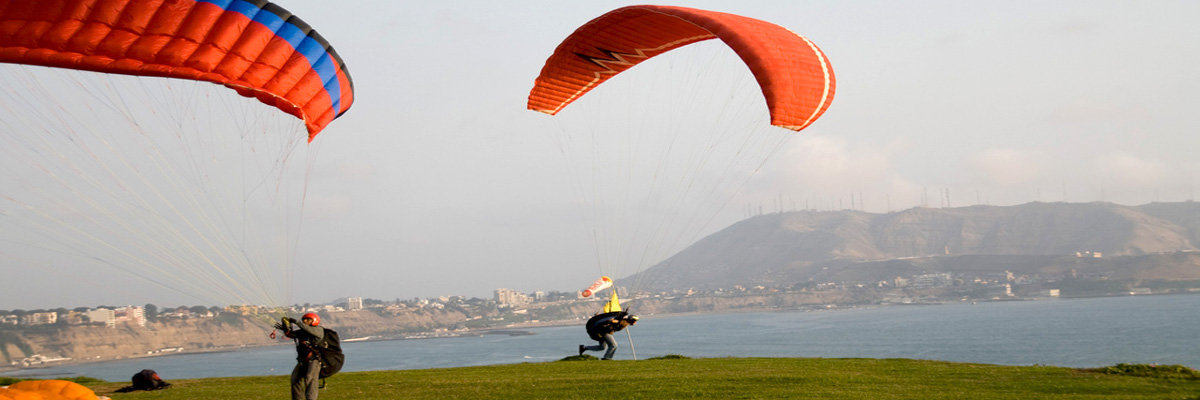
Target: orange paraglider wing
{"type": "Point", "coordinates": [56, 389]}
{"type": "Point", "coordinates": [253, 46]}
{"type": "Point", "coordinates": [794, 75]}
{"type": "Point", "coordinates": [14, 394]}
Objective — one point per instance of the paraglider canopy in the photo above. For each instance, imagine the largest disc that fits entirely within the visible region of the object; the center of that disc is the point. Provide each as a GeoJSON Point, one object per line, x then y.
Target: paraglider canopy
{"type": "Point", "coordinates": [197, 194]}
{"type": "Point", "coordinates": [794, 75]}
{"type": "Point", "coordinates": [48, 389]}
{"type": "Point", "coordinates": [254, 47]}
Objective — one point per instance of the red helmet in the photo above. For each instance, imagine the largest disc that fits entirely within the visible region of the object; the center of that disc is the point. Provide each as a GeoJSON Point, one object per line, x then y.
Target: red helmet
{"type": "Point", "coordinates": [316, 319]}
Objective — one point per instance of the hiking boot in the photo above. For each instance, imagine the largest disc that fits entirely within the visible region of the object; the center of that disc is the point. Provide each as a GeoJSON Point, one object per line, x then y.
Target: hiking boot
{"type": "Point", "coordinates": [581, 349]}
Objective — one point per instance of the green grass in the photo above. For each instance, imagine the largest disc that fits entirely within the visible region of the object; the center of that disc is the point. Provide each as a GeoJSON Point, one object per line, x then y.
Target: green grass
{"type": "Point", "coordinates": [712, 378]}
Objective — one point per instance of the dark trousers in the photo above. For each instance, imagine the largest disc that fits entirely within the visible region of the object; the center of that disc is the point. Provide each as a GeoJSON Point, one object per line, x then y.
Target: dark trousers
{"type": "Point", "coordinates": [304, 380]}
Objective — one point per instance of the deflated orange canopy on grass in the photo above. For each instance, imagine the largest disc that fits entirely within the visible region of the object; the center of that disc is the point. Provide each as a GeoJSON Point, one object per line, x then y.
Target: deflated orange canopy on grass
{"type": "Point", "coordinates": [51, 389]}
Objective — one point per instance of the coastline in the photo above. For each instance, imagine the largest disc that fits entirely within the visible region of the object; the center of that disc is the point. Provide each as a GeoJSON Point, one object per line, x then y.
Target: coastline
{"type": "Point", "coordinates": [1032, 331]}
{"type": "Point", "coordinates": [503, 330]}
{"type": "Point", "coordinates": [520, 328]}
{"type": "Point", "coordinates": [8, 369]}
{"type": "Point", "coordinates": [515, 329]}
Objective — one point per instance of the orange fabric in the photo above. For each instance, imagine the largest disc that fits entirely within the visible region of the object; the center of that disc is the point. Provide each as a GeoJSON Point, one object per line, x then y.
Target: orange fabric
{"type": "Point", "coordinates": [53, 389]}
{"type": "Point", "coordinates": [186, 39]}
{"type": "Point", "coordinates": [794, 74]}
{"type": "Point", "coordinates": [13, 394]}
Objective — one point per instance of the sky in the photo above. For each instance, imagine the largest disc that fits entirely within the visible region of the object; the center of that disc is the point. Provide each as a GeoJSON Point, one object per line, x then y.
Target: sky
{"type": "Point", "coordinates": [439, 182]}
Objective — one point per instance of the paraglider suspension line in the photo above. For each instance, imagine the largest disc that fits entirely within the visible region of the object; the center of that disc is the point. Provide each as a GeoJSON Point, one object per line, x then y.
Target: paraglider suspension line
{"type": "Point", "coordinates": [632, 349]}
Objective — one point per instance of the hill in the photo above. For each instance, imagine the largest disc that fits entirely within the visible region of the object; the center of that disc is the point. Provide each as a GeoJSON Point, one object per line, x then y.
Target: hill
{"type": "Point", "coordinates": [1153, 241]}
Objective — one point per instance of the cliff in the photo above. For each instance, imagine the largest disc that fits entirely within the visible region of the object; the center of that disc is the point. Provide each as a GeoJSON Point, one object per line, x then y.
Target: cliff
{"type": "Point", "coordinates": [93, 343]}
{"type": "Point", "coordinates": [82, 343]}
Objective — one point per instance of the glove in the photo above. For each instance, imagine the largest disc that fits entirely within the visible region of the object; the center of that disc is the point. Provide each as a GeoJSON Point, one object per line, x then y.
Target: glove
{"type": "Point", "coordinates": [294, 321]}
{"type": "Point", "coordinates": [279, 326]}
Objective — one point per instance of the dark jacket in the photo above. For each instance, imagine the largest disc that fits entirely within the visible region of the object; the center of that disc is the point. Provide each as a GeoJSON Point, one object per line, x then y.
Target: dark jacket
{"type": "Point", "coordinates": [306, 338]}
{"type": "Point", "coordinates": [147, 379]}
{"type": "Point", "coordinates": [605, 323]}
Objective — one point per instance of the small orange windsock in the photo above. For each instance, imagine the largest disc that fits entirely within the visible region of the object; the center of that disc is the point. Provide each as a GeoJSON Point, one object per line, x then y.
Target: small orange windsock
{"type": "Point", "coordinates": [600, 284]}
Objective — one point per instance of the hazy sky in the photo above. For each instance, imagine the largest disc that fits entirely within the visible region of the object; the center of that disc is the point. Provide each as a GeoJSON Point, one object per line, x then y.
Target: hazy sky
{"type": "Point", "coordinates": [439, 182]}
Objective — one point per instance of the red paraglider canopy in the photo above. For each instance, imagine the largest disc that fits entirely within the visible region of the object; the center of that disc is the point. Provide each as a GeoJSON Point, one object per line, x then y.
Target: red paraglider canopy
{"type": "Point", "coordinates": [252, 46]}
{"type": "Point", "coordinates": [794, 74]}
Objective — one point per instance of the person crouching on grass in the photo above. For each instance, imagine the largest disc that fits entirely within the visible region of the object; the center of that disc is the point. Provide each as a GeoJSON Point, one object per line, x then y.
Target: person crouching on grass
{"type": "Point", "coordinates": [601, 328]}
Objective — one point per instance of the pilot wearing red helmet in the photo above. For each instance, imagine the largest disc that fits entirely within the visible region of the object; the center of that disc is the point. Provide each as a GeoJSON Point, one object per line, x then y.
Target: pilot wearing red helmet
{"type": "Point", "coordinates": [308, 364]}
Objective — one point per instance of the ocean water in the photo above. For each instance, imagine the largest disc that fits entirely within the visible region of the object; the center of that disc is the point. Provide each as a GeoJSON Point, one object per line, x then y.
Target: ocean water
{"type": "Point", "coordinates": [1089, 332]}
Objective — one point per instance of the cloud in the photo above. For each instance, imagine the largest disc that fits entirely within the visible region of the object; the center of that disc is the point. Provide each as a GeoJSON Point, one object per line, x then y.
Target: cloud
{"type": "Point", "coordinates": [1131, 172]}
{"type": "Point", "coordinates": [1006, 167]}
{"type": "Point", "coordinates": [832, 172]}
{"type": "Point", "coordinates": [1079, 27]}
{"type": "Point", "coordinates": [825, 162]}
{"type": "Point", "coordinates": [354, 170]}
{"type": "Point", "coordinates": [1098, 106]}
{"type": "Point", "coordinates": [327, 205]}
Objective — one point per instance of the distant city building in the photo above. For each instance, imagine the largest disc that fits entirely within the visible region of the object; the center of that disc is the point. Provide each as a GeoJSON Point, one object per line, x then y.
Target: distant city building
{"type": "Point", "coordinates": [354, 304]}
{"type": "Point", "coordinates": [41, 318]}
{"type": "Point", "coordinates": [102, 316]}
{"type": "Point", "coordinates": [1000, 291]}
{"type": "Point", "coordinates": [241, 309]}
{"type": "Point", "coordinates": [72, 318]}
{"type": "Point", "coordinates": [131, 314]}
{"type": "Point", "coordinates": [928, 281]}
{"type": "Point", "coordinates": [509, 297]}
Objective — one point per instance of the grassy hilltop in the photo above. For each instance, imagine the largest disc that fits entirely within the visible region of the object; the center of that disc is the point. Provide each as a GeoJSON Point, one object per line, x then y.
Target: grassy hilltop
{"type": "Point", "coordinates": [713, 378]}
